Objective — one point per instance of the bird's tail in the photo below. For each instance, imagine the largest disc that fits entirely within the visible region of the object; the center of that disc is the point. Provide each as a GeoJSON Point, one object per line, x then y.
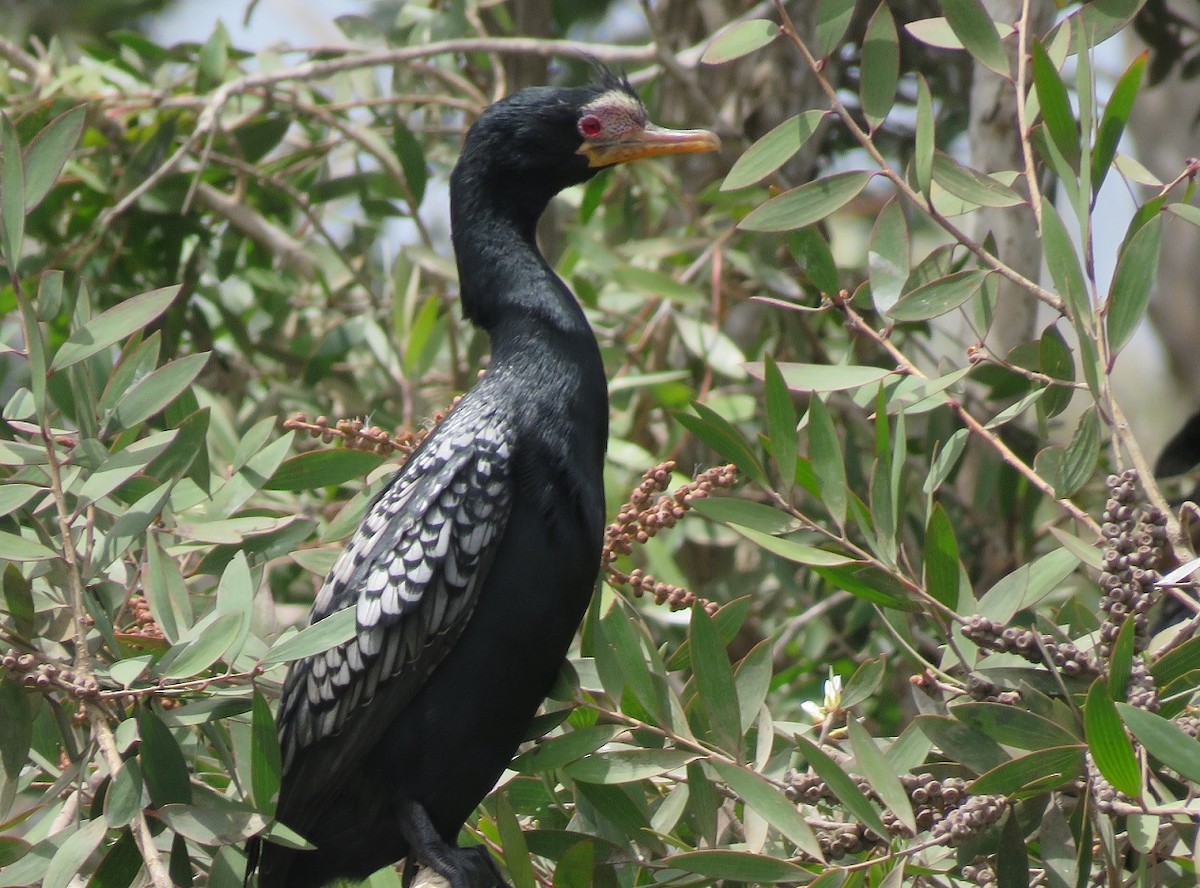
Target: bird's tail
{"type": "Point", "coordinates": [253, 852]}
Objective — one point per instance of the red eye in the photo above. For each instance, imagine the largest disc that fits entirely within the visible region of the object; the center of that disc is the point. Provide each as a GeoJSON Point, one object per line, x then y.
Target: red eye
{"type": "Point", "coordinates": [590, 126]}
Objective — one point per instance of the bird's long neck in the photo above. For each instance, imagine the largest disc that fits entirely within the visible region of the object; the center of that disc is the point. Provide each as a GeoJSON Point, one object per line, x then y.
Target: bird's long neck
{"type": "Point", "coordinates": [506, 285]}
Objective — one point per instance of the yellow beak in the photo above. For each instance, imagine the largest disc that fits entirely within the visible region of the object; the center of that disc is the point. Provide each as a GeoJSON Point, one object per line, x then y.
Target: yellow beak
{"type": "Point", "coordinates": [650, 141]}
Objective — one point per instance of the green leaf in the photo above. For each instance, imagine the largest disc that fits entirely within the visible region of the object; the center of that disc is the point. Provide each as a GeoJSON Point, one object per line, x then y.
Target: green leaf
{"type": "Point", "coordinates": [1110, 747]}
{"type": "Point", "coordinates": [1057, 362]}
{"type": "Point", "coordinates": [207, 642]}
{"type": "Point", "coordinates": [657, 284]}
{"type": "Point", "coordinates": [512, 839]}
{"type": "Point", "coordinates": [16, 727]}
{"type": "Point", "coordinates": [48, 152]}
{"type": "Point", "coordinates": [769, 803]}
{"type": "Point", "coordinates": [863, 683]}
{"type": "Point", "coordinates": [69, 859]}
{"type": "Point", "coordinates": [781, 421]}
{"type": "Point", "coordinates": [266, 764]}
{"type": "Point", "coordinates": [707, 343]}
{"type": "Point", "coordinates": [842, 786]}
{"type": "Point", "coordinates": [719, 434]}
{"type": "Point", "coordinates": [411, 155]}
{"type": "Point", "coordinates": [1012, 726]}
{"type": "Point", "coordinates": [1164, 740]}
{"type": "Point", "coordinates": [925, 141]}
{"type": "Point", "coordinates": [977, 32]}
{"type": "Point", "coordinates": [163, 765]}
{"type": "Point", "coordinates": [714, 680]}
{"type": "Point", "coordinates": [978, 189]}
{"type": "Point", "coordinates": [323, 468]}
{"type": "Point", "coordinates": [1115, 117]}
{"type": "Point", "coordinates": [807, 204]}
{"type": "Point", "coordinates": [336, 629]}
{"type": "Point", "coordinates": [888, 256]}
{"type": "Point", "coordinates": [880, 775]}
{"type": "Point", "coordinates": [773, 150]}
{"type": "Point", "coordinates": [18, 601]}
{"type": "Point", "coordinates": [1027, 585]}
{"type": "Point", "coordinates": [112, 326]}
{"type": "Point", "coordinates": [628, 766]}
{"type": "Point", "coordinates": [823, 377]}
{"type": "Point", "coordinates": [1129, 295]}
{"type": "Point", "coordinates": [124, 797]}
{"type": "Point", "coordinates": [1063, 262]}
{"type": "Point", "coordinates": [211, 826]}
{"type": "Point", "coordinates": [942, 569]}
{"type": "Point", "coordinates": [968, 746]}
{"type": "Point", "coordinates": [825, 453]}
{"type": "Point", "coordinates": [880, 66]}
{"type": "Point", "coordinates": [740, 866]}
{"type": "Point", "coordinates": [1056, 106]}
{"type": "Point", "coordinates": [792, 550]}
{"type": "Point", "coordinates": [739, 39]}
{"type": "Point", "coordinates": [812, 254]}
{"type": "Point", "coordinates": [833, 18]}
{"type": "Point", "coordinates": [155, 392]}
{"type": "Point", "coordinates": [735, 510]}
{"type": "Point", "coordinates": [12, 195]}
{"type": "Point", "coordinates": [1031, 774]}
{"type": "Point", "coordinates": [16, 548]}
{"type": "Point", "coordinates": [1012, 857]}
{"type": "Point", "coordinates": [12, 850]}
{"type": "Point", "coordinates": [555, 752]}
{"type": "Point", "coordinates": [869, 584]}
{"type": "Point", "coordinates": [938, 297]}
{"type": "Point", "coordinates": [1080, 456]}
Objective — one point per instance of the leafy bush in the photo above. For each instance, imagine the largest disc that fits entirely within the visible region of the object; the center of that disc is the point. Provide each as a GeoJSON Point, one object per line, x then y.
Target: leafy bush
{"type": "Point", "coordinates": [914, 644]}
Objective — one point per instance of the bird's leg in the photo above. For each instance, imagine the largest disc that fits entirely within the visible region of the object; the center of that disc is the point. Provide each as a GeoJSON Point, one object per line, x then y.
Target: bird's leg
{"type": "Point", "coordinates": [462, 867]}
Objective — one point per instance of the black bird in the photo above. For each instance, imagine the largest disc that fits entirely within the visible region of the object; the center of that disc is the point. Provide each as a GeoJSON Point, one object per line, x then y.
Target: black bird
{"type": "Point", "coordinates": [472, 569]}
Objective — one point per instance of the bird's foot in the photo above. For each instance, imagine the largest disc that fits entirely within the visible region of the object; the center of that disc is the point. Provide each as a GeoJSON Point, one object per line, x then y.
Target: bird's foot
{"type": "Point", "coordinates": [470, 867]}
{"type": "Point", "coordinates": [459, 868]}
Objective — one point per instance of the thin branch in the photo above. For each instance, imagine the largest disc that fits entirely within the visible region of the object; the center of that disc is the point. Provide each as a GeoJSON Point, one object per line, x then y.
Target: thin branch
{"type": "Point", "coordinates": [19, 59]}
{"type": "Point", "coordinates": [1035, 194]}
{"type": "Point", "coordinates": [291, 252]}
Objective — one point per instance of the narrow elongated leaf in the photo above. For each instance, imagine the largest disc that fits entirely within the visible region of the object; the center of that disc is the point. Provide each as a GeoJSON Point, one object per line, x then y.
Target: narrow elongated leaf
{"type": "Point", "coordinates": [714, 680]}
{"type": "Point", "coordinates": [12, 194]}
{"type": "Point", "coordinates": [938, 297]}
{"type": "Point", "coordinates": [211, 826]}
{"type": "Point", "coordinates": [888, 256]}
{"type": "Point", "coordinates": [781, 421]}
{"type": "Point", "coordinates": [163, 765]}
{"type": "Point", "coordinates": [823, 377]}
{"type": "Point", "coordinates": [412, 160]}
{"type": "Point", "coordinates": [771, 804]}
{"type": "Point", "coordinates": [1037, 772]}
{"type": "Point", "coordinates": [880, 774]}
{"type": "Point", "coordinates": [190, 658]}
{"type": "Point", "coordinates": [1164, 740]}
{"type": "Point", "coordinates": [739, 39]}
{"type": "Point", "coordinates": [812, 254]}
{"type": "Point", "coordinates": [1027, 585]}
{"type": "Point", "coordinates": [1056, 106]}
{"type": "Point", "coordinates": [974, 27]}
{"type": "Point", "coordinates": [793, 550]}
{"type": "Point", "coordinates": [124, 797]}
{"type": "Point", "coordinates": [1013, 726]}
{"type": "Point", "coordinates": [112, 326]}
{"type": "Point", "coordinates": [1057, 362]}
{"type": "Point", "coordinates": [16, 727]}
{"type": "Point", "coordinates": [335, 629]}
{"type": "Point", "coordinates": [627, 766]}
{"type": "Point", "coordinates": [1110, 747]}
{"type": "Point", "coordinates": [825, 453]}
{"type": "Point", "coordinates": [740, 866]}
{"type": "Point", "coordinates": [550, 754]}
{"type": "Point", "coordinates": [18, 548]}
{"type": "Point", "coordinates": [971, 748]}
{"type": "Point", "coordinates": [68, 860]}
{"type": "Point", "coordinates": [807, 204]}
{"type": "Point", "coordinates": [155, 392]}
{"type": "Point", "coordinates": [719, 434]}
{"type": "Point", "coordinates": [1063, 261]}
{"type": "Point", "coordinates": [1012, 858]}
{"type": "Point", "coordinates": [833, 18]}
{"type": "Point", "coordinates": [842, 786]}
{"type": "Point", "coordinates": [773, 150]}
{"type": "Point", "coordinates": [1115, 117]}
{"type": "Point", "coordinates": [925, 140]}
{"type": "Point", "coordinates": [48, 152]}
{"type": "Point", "coordinates": [323, 468]}
{"type": "Point", "coordinates": [976, 188]}
{"type": "Point", "coordinates": [880, 66]}
{"type": "Point", "coordinates": [265, 761]}
{"type": "Point", "coordinates": [1080, 456]}
{"type": "Point", "coordinates": [942, 570]}
{"type": "Point", "coordinates": [516, 852]}
{"type": "Point", "coordinates": [1129, 295]}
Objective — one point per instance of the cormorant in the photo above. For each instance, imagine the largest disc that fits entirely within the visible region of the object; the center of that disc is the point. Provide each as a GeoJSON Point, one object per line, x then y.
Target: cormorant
{"type": "Point", "coordinates": [473, 567]}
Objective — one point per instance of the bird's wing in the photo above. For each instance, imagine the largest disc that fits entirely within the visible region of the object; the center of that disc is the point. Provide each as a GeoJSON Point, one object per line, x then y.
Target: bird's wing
{"type": "Point", "coordinates": [413, 571]}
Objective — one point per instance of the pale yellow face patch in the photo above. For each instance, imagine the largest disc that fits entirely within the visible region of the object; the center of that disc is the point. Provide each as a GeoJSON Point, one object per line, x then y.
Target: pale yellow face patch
{"type": "Point", "coordinates": [615, 130]}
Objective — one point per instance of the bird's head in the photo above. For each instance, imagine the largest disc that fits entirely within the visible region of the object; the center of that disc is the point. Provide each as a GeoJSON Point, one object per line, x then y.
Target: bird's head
{"type": "Point", "coordinates": [546, 138]}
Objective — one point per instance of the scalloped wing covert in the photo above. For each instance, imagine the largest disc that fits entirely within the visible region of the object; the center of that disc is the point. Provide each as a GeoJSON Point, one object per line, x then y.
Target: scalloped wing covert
{"type": "Point", "coordinates": [413, 571]}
